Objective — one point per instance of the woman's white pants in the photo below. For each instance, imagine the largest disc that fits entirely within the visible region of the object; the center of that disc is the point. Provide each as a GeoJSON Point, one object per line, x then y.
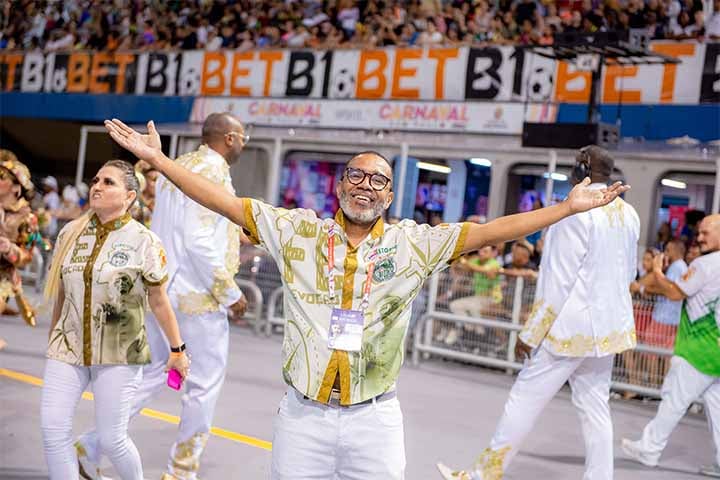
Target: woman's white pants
{"type": "Point", "coordinates": [113, 387]}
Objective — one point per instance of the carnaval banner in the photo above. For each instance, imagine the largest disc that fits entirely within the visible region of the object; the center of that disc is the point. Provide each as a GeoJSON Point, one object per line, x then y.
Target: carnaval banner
{"type": "Point", "coordinates": [478, 117]}
{"type": "Point", "coordinates": [503, 73]}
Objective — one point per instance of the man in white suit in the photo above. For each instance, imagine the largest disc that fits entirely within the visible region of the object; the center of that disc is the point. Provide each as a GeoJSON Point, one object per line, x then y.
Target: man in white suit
{"type": "Point", "coordinates": [582, 317]}
{"type": "Point", "coordinates": [203, 254]}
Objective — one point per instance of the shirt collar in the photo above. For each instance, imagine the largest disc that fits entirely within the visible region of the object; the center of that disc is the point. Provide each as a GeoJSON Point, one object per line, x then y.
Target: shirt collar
{"type": "Point", "coordinates": [376, 232]}
{"type": "Point", "coordinates": [205, 148]}
{"type": "Point", "coordinates": [116, 224]}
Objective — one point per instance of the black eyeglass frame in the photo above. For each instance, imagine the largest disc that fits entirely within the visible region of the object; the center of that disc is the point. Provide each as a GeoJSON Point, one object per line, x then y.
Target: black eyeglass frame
{"type": "Point", "coordinates": [387, 181]}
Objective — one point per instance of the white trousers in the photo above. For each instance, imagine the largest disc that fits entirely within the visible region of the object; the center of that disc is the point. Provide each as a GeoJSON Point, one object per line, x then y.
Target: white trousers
{"type": "Point", "coordinates": [682, 386]}
{"type": "Point", "coordinates": [536, 385]}
{"type": "Point", "coordinates": [114, 387]}
{"type": "Point", "coordinates": [320, 442]}
{"type": "Point", "coordinates": [206, 337]}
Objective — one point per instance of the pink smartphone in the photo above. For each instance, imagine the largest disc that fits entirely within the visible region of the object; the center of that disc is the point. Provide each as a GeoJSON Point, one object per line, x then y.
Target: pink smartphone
{"type": "Point", "coordinates": [174, 379]}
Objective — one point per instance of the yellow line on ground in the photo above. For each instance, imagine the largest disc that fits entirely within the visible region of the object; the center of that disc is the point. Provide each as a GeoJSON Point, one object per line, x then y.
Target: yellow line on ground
{"type": "Point", "coordinates": [156, 414]}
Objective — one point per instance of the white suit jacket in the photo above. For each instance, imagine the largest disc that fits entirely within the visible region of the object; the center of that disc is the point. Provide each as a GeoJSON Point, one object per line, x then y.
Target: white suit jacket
{"type": "Point", "coordinates": [583, 306]}
{"type": "Point", "coordinates": [203, 248]}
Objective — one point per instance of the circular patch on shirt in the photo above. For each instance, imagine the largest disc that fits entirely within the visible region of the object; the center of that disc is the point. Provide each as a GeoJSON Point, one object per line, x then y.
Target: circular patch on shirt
{"type": "Point", "coordinates": [119, 259]}
{"type": "Point", "coordinates": [384, 270]}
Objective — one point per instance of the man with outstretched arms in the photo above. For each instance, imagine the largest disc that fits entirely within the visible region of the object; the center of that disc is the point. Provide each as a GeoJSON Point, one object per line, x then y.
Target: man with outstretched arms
{"type": "Point", "coordinates": [349, 283]}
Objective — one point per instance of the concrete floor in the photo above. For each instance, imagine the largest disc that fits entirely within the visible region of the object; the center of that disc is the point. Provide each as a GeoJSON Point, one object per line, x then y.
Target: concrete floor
{"type": "Point", "coordinates": [450, 412]}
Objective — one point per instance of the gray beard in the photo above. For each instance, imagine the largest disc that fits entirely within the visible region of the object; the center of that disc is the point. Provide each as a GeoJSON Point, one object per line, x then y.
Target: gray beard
{"type": "Point", "coordinates": [363, 217]}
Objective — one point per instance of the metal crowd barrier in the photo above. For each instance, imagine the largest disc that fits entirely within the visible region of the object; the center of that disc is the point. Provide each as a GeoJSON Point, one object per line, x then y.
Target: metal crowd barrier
{"type": "Point", "coordinates": [487, 335]}
{"type": "Point", "coordinates": [450, 321]}
{"type": "Point", "coordinates": [255, 303]}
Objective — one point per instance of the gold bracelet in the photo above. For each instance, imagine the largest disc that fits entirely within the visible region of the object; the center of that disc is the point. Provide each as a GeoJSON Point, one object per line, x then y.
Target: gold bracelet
{"type": "Point", "coordinates": [176, 354]}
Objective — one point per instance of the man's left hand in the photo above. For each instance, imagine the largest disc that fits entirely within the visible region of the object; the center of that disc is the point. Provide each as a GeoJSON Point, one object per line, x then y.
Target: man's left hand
{"type": "Point", "coordinates": [582, 198]}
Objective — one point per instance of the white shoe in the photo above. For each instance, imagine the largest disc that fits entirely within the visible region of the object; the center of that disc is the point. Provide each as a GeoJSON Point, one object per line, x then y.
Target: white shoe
{"type": "Point", "coordinates": [450, 474]}
{"type": "Point", "coordinates": [634, 450]}
{"type": "Point", "coordinates": [710, 470]}
{"type": "Point", "coordinates": [88, 470]}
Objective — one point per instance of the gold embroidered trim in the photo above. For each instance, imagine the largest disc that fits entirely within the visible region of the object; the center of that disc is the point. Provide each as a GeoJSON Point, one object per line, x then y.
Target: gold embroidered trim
{"type": "Point", "coordinates": [186, 457]}
{"type": "Point", "coordinates": [250, 224]}
{"type": "Point", "coordinates": [615, 212]}
{"type": "Point", "coordinates": [461, 475]}
{"type": "Point", "coordinates": [232, 255]}
{"type": "Point", "coordinates": [579, 345]}
{"type": "Point", "coordinates": [490, 463]}
{"type": "Point", "coordinates": [195, 303]}
{"type": "Point", "coordinates": [101, 234]}
{"type": "Point", "coordinates": [192, 160]}
{"type": "Point", "coordinates": [460, 244]}
{"type": "Point", "coordinates": [533, 331]}
{"type": "Point", "coordinates": [222, 282]}
{"type": "Point", "coordinates": [329, 378]}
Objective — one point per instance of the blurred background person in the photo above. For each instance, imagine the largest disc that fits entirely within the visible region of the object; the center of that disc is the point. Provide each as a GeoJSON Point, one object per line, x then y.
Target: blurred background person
{"type": "Point", "coordinates": [17, 227]}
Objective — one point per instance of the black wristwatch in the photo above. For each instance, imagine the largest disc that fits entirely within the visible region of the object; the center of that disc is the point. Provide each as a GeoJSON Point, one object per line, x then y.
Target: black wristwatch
{"type": "Point", "coordinates": [179, 349]}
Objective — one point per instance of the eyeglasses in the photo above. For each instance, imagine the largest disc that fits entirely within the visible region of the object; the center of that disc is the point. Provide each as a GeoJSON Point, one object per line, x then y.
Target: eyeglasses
{"type": "Point", "coordinates": [244, 137]}
{"type": "Point", "coordinates": [356, 176]}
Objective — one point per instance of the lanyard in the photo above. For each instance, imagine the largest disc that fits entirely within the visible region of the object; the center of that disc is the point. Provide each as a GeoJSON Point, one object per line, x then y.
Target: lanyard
{"type": "Point", "coordinates": [331, 261]}
{"type": "Point", "coordinates": [331, 270]}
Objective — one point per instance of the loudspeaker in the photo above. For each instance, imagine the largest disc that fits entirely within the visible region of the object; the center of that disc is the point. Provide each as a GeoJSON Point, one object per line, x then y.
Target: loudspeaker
{"type": "Point", "coordinates": [570, 135]}
{"type": "Point", "coordinates": [600, 39]}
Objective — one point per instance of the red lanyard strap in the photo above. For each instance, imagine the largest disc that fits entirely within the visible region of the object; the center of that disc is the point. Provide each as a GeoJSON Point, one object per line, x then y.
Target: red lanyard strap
{"type": "Point", "coordinates": [331, 261]}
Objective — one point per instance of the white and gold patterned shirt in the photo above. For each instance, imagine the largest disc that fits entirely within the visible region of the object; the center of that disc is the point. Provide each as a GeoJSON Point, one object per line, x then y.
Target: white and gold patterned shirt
{"type": "Point", "coordinates": [406, 254]}
{"type": "Point", "coordinates": [203, 248]}
{"type": "Point", "coordinates": [105, 277]}
{"type": "Point", "coordinates": [583, 306]}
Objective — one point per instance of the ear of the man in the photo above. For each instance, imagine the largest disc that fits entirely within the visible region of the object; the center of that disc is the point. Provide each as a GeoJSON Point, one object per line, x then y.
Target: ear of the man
{"type": "Point", "coordinates": [389, 200]}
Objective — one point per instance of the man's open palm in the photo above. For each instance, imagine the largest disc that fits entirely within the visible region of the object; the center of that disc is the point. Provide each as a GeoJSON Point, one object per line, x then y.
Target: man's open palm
{"type": "Point", "coordinates": [145, 147]}
{"type": "Point", "coordinates": [582, 198]}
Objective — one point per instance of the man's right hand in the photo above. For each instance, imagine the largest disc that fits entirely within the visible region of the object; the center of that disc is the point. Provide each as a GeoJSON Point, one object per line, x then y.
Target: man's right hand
{"type": "Point", "coordinates": [659, 263]}
{"type": "Point", "coordinates": [237, 309]}
{"type": "Point", "coordinates": [522, 350]}
{"type": "Point", "coordinates": [145, 147]}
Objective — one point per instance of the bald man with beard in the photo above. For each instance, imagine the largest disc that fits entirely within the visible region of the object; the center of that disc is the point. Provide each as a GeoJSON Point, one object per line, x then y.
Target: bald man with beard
{"type": "Point", "coordinates": [695, 367]}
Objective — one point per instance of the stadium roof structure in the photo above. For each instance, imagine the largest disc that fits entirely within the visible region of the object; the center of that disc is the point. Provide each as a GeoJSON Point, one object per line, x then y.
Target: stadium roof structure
{"type": "Point", "coordinates": [592, 51]}
{"type": "Point", "coordinates": [621, 53]}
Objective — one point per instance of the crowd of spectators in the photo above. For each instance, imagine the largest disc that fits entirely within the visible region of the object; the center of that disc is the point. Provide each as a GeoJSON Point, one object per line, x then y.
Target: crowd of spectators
{"type": "Point", "coordinates": [248, 24]}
